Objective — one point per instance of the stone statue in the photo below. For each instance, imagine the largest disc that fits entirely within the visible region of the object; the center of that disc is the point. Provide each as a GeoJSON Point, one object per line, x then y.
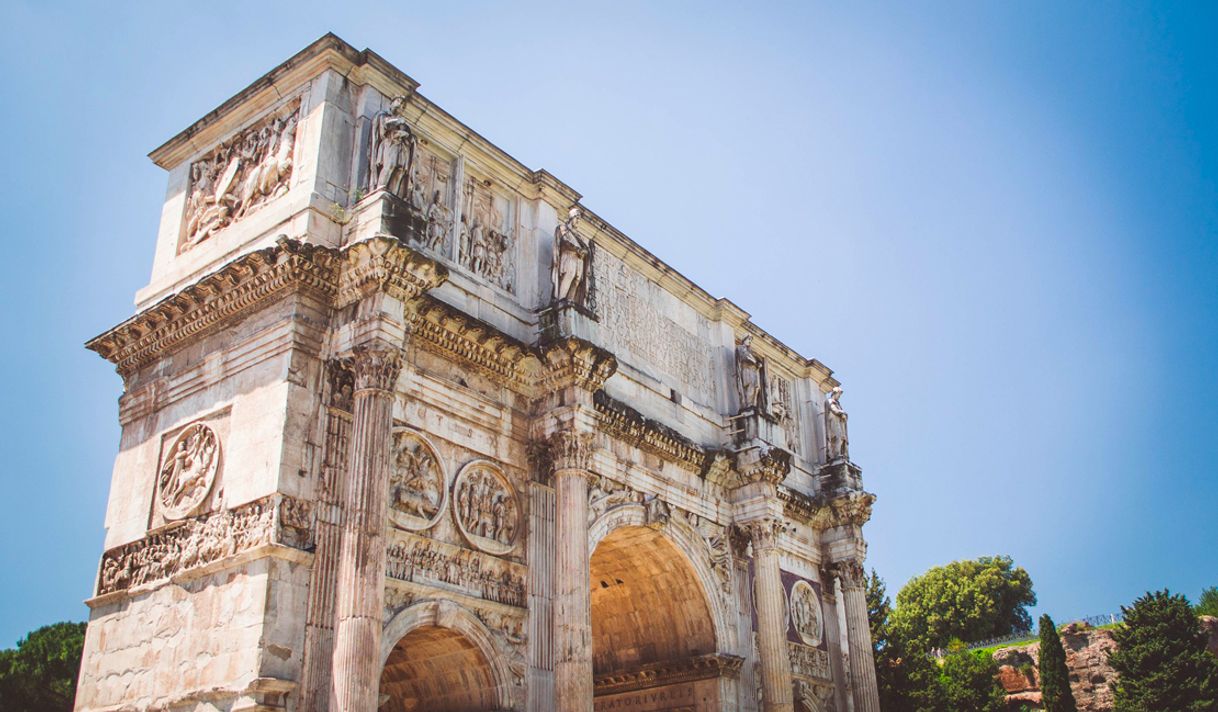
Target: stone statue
{"type": "Point", "coordinates": [836, 441]}
{"type": "Point", "coordinates": [570, 260]}
{"type": "Point", "coordinates": [748, 375]}
{"type": "Point", "coordinates": [392, 150]}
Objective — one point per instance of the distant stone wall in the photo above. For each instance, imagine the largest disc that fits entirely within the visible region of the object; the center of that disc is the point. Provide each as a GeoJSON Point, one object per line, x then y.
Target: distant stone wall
{"type": "Point", "coordinates": [1091, 676]}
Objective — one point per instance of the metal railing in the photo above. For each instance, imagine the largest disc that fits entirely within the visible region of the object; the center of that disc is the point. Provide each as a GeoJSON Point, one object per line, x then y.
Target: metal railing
{"type": "Point", "coordinates": [1031, 634]}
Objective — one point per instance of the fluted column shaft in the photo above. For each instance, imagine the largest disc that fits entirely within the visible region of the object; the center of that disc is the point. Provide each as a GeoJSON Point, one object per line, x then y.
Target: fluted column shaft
{"type": "Point", "coordinates": [361, 571]}
{"type": "Point", "coordinates": [858, 635]}
{"type": "Point", "coordinates": [571, 453]}
{"type": "Point", "coordinates": [776, 680]}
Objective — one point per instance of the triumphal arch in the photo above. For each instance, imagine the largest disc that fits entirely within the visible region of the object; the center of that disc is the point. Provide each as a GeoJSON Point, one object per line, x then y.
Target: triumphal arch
{"type": "Point", "coordinates": [405, 427]}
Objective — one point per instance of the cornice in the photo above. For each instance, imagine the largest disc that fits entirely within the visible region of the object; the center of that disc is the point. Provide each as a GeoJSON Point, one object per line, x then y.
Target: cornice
{"type": "Point", "coordinates": [450, 332]}
{"type": "Point", "coordinates": [334, 277]}
{"type": "Point", "coordinates": [235, 288]}
{"type": "Point", "coordinates": [701, 667]}
{"type": "Point", "coordinates": [575, 362]}
{"type": "Point", "coordinates": [626, 424]}
{"type": "Point", "coordinates": [851, 508]}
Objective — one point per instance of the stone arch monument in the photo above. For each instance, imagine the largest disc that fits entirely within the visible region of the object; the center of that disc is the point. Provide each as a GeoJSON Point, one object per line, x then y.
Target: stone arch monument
{"type": "Point", "coordinates": [406, 427]}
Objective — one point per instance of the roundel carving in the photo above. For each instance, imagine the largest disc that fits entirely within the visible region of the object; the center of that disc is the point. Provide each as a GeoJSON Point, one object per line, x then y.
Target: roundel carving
{"type": "Point", "coordinates": [805, 612]}
{"type": "Point", "coordinates": [188, 471]}
{"type": "Point", "coordinates": [485, 508]}
{"type": "Point", "coordinates": [416, 482]}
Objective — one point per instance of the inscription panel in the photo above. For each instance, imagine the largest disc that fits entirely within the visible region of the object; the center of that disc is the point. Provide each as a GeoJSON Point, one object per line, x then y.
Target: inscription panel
{"type": "Point", "coordinates": [631, 314]}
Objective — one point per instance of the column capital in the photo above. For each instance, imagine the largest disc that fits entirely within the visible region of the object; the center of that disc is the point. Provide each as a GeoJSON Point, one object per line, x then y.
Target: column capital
{"type": "Point", "coordinates": [763, 533]}
{"type": "Point", "coordinates": [850, 572]}
{"type": "Point", "coordinates": [376, 367]}
{"type": "Point", "coordinates": [571, 451]}
{"type": "Point", "coordinates": [573, 362]}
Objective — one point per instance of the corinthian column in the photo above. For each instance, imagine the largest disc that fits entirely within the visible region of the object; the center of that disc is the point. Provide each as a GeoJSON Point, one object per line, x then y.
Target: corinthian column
{"type": "Point", "coordinates": [361, 568]}
{"type": "Point", "coordinates": [858, 635]}
{"type": "Point", "coordinates": [776, 681]}
{"type": "Point", "coordinates": [572, 453]}
{"type": "Point", "coordinates": [760, 514]}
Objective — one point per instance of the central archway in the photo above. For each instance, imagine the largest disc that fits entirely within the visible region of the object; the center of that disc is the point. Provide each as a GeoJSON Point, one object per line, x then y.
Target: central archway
{"type": "Point", "coordinates": [653, 633]}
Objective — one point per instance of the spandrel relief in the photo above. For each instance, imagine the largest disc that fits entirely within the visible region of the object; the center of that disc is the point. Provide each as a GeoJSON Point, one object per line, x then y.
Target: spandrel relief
{"type": "Point", "coordinates": [486, 235]}
{"type": "Point", "coordinates": [188, 471]}
{"type": "Point", "coordinates": [485, 508]}
{"type": "Point", "coordinates": [416, 482]}
{"type": "Point", "coordinates": [240, 175]}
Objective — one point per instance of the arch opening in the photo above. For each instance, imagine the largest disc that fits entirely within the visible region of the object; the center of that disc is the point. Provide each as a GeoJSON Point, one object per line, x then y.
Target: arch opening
{"type": "Point", "coordinates": [653, 635]}
{"type": "Point", "coordinates": [440, 670]}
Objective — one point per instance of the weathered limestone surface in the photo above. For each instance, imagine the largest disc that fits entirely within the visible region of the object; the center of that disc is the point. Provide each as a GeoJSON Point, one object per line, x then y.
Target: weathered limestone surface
{"type": "Point", "coordinates": [407, 427]}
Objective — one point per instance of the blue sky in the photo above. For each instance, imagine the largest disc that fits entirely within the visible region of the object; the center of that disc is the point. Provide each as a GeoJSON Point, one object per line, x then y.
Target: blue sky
{"type": "Point", "coordinates": [995, 221]}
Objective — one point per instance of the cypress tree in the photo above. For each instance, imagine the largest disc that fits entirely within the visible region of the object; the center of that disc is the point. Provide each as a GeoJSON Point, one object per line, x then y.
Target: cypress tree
{"type": "Point", "coordinates": [1161, 658]}
{"type": "Point", "coordinates": [1054, 675]}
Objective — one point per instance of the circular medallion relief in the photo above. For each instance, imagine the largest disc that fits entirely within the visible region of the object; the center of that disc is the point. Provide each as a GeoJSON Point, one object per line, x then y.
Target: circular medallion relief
{"type": "Point", "coordinates": [805, 612]}
{"type": "Point", "coordinates": [188, 471]}
{"type": "Point", "coordinates": [485, 508]}
{"type": "Point", "coordinates": [416, 482]}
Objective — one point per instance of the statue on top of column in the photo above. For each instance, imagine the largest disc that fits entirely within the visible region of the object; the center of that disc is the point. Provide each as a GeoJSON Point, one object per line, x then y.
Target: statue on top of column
{"type": "Point", "coordinates": [570, 260]}
{"type": "Point", "coordinates": [748, 375]}
{"type": "Point", "coordinates": [836, 441]}
{"type": "Point", "coordinates": [392, 150]}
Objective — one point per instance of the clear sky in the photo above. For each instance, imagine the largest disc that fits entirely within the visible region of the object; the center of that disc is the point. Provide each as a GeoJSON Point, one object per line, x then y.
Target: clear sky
{"type": "Point", "coordinates": [995, 221]}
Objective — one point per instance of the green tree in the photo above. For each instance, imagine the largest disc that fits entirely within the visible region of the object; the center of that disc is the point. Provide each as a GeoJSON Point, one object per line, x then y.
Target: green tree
{"type": "Point", "coordinates": [970, 681]}
{"type": "Point", "coordinates": [40, 674]}
{"type": "Point", "coordinates": [1054, 675]}
{"type": "Point", "coordinates": [965, 600]}
{"type": "Point", "coordinates": [1207, 605]}
{"type": "Point", "coordinates": [908, 681]}
{"type": "Point", "coordinates": [1161, 658]}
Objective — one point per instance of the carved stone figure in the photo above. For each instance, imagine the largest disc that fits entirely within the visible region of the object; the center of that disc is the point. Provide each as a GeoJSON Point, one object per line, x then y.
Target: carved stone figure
{"type": "Point", "coordinates": [391, 151]}
{"type": "Point", "coordinates": [437, 222]}
{"type": "Point", "coordinates": [240, 175]}
{"type": "Point", "coordinates": [485, 508]}
{"type": "Point", "coordinates": [188, 471]}
{"type": "Point", "coordinates": [836, 440]}
{"type": "Point", "coordinates": [805, 612]}
{"type": "Point", "coordinates": [570, 260]}
{"type": "Point", "coordinates": [748, 375]}
{"type": "Point", "coordinates": [416, 483]}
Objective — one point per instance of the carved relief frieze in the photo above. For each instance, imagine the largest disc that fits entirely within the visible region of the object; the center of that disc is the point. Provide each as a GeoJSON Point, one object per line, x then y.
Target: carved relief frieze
{"type": "Point", "coordinates": [417, 485]}
{"type": "Point", "coordinates": [806, 615]}
{"type": "Point", "coordinates": [486, 508]}
{"type": "Point", "coordinates": [782, 408]}
{"type": "Point", "coordinates": [425, 561]}
{"type": "Point", "coordinates": [240, 175]}
{"type": "Point", "coordinates": [486, 234]}
{"type": "Point", "coordinates": [188, 471]}
{"type": "Point", "coordinates": [808, 662]}
{"type": "Point", "coordinates": [199, 541]}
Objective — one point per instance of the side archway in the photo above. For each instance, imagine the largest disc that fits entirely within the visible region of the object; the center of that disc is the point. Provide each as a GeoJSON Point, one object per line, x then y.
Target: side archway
{"type": "Point", "coordinates": [438, 656]}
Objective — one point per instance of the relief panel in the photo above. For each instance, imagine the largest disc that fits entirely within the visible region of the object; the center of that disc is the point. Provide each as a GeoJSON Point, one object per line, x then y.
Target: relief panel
{"type": "Point", "coordinates": [240, 175]}
{"type": "Point", "coordinates": [417, 485]}
{"type": "Point", "coordinates": [485, 508]}
{"type": "Point", "coordinates": [486, 234]}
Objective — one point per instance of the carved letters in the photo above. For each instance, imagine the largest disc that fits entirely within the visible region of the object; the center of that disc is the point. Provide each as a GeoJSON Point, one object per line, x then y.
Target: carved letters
{"type": "Point", "coordinates": [188, 471]}
{"type": "Point", "coordinates": [485, 508]}
{"type": "Point", "coordinates": [240, 175]}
